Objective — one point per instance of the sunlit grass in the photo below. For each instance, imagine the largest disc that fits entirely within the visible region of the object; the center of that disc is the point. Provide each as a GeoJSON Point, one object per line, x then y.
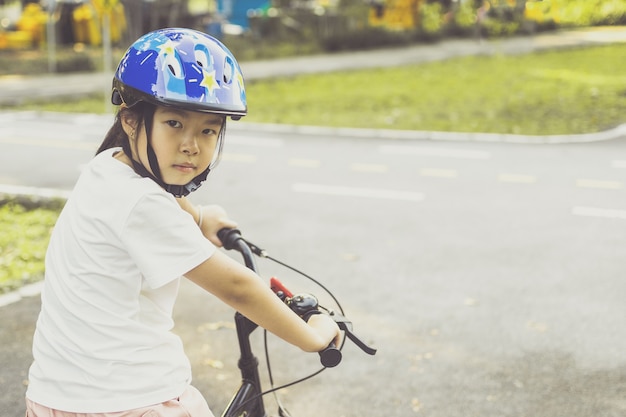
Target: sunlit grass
{"type": "Point", "coordinates": [23, 242]}
{"type": "Point", "coordinates": [559, 92]}
{"type": "Point", "coordinates": [549, 93]}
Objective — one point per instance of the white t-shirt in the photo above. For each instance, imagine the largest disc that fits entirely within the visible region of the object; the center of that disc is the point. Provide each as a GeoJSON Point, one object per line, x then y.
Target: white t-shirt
{"type": "Point", "coordinates": [103, 341]}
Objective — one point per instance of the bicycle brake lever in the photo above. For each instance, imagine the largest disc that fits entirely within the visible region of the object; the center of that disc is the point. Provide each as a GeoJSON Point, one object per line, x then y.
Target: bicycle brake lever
{"type": "Point", "coordinates": [360, 343]}
{"type": "Point", "coordinates": [346, 325]}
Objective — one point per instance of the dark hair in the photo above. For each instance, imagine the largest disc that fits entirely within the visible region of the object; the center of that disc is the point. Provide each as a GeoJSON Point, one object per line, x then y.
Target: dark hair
{"type": "Point", "coordinates": [142, 112]}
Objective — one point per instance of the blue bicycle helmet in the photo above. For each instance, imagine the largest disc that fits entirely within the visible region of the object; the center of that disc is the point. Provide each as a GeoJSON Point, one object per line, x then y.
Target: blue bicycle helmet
{"type": "Point", "coordinates": [183, 68]}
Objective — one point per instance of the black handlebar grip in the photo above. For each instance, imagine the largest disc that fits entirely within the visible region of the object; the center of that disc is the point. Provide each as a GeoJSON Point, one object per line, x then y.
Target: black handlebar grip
{"type": "Point", "coordinates": [229, 237]}
{"type": "Point", "coordinates": [331, 356]}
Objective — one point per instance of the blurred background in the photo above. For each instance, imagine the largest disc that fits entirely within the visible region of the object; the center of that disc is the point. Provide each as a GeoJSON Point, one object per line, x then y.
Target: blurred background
{"type": "Point", "coordinates": [74, 35]}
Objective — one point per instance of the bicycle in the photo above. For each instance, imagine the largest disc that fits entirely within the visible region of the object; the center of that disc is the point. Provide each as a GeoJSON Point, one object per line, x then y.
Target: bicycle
{"type": "Point", "coordinates": [248, 399]}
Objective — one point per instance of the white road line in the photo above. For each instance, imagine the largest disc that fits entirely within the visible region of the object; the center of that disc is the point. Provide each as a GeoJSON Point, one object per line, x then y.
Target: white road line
{"type": "Point", "coordinates": [599, 212]}
{"type": "Point", "coordinates": [606, 185]}
{"type": "Point", "coordinates": [438, 173]}
{"type": "Point", "coordinates": [369, 167]}
{"type": "Point", "coordinates": [618, 164]}
{"type": "Point", "coordinates": [433, 151]}
{"type": "Point", "coordinates": [357, 192]}
{"type": "Point", "coordinates": [517, 178]}
{"type": "Point", "coordinates": [47, 143]}
{"type": "Point", "coordinates": [238, 157]}
{"type": "Point", "coordinates": [29, 290]}
{"type": "Point", "coordinates": [304, 163]}
{"type": "Point", "coordinates": [248, 141]}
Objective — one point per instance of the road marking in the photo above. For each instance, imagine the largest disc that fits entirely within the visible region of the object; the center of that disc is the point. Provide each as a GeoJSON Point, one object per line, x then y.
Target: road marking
{"type": "Point", "coordinates": [304, 163]}
{"type": "Point", "coordinates": [29, 290]}
{"type": "Point", "coordinates": [357, 192]}
{"type": "Point", "coordinates": [245, 140]}
{"type": "Point", "coordinates": [438, 173]}
{"type": "Point", "coordinates": [52, 144]}
{"type": "Point", "coordinates": [369, 167]}
{"type": "Point", "coordinates": [432, 151]}
{"type": "Point", "coordinates": [599, 212]}
{"type": "Point", "coordinates": [517, 178]}
{"type": "Point", "coordinates": [239, 157]}
{"type": "Point", "coordinates": [606, 185]}
{"type": "Point", "coordinates": [618, 164]}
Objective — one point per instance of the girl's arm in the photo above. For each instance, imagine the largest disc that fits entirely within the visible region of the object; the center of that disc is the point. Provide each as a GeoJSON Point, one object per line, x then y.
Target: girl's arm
{"type": "Point", "coordinates": [243, 290]}
{"type": "Point", "coordinates": [212, 219]}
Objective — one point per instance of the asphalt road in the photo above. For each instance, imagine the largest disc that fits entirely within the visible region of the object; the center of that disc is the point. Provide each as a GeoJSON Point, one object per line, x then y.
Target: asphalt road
{"type": "Point", "coordinates": [489, 275]}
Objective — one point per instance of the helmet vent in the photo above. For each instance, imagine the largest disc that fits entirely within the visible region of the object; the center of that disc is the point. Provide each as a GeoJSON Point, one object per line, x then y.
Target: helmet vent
{"type": "Point", "coordinates": [174, 66]}
{"type": "Point", "coordinates": [202, 58]}
{"type": "Point", "coordinates": [228, 70]}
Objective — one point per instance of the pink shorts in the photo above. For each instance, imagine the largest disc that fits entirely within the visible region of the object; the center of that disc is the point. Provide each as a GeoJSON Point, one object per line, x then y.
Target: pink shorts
{"type": "Point", "coordinates": [190, 404]}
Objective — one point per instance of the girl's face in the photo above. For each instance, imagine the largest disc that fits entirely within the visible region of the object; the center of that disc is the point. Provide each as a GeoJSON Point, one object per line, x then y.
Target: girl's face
{"type": "Point", "coordinates": [184, 143]}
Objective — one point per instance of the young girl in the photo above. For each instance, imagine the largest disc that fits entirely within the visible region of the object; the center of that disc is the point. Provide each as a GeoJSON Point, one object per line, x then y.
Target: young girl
{"type": "Point", "coordinates": [103, 344]}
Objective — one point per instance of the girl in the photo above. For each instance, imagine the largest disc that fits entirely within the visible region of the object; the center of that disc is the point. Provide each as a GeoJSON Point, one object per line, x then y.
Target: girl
{"type": "Point", "coordinates": [103, 344]}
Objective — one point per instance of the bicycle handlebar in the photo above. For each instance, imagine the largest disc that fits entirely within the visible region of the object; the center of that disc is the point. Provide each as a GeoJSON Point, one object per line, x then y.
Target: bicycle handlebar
{"type": "Point", "coordinates": [305, 305]}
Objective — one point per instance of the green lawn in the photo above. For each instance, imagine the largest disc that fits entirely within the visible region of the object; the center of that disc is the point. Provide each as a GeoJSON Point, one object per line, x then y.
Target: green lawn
{"type": "Point", "coordinates": [23, 242]}
{"type": "Point", "coordinates": [559, 92]}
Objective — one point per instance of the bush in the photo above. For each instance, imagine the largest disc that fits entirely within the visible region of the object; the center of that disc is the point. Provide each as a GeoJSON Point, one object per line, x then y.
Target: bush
{"type": "Point", "coordinates": [464, 20]}
{"type": "Point", "coordinates": [577, 13]}
{"type": "Point", "coordinates": [75, 63]}
{"type": "Point", "coordinates": [431, 20]}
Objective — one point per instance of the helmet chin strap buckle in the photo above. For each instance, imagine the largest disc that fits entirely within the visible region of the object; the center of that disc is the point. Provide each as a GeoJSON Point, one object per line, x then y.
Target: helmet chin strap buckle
{"type": "Point", "coordinates": [184, 190]}
{"type": "Point", "coordinates": [181, 190]}
{"type": "Point", "coordinates": [174, 189]}
{"type": "Point", "coordinates": [192, 186]}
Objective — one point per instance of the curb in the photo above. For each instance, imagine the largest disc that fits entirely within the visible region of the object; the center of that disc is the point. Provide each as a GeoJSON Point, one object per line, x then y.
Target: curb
{"type": "Point", "coordinates": [344, 132]}
{"type": "Point", "coordinates": [30, 290]}
{"type": "Point", "coordinates": [82, 119]}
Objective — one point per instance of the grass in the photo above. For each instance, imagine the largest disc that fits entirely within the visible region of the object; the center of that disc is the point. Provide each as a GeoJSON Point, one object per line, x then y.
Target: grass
{"type": "Point", "coordinates": [23, 242]}
{"type": "Point", "coordinates": [558, 92]}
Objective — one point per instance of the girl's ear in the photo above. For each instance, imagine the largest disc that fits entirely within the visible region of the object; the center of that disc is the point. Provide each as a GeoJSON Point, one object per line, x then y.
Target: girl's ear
{"type": "Point", "coordinates": [128, 120]}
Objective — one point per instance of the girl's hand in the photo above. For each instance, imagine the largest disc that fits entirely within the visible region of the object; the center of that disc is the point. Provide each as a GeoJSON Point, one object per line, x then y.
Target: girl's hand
{"type": "Point", "coordinates": [211, 220]}
{"type": "Point", "coordinates": [327, 330]}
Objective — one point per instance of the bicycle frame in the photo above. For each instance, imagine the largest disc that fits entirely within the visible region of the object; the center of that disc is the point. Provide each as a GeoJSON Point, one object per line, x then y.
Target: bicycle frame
{"type": "Point", "coordinates": [247, 400]}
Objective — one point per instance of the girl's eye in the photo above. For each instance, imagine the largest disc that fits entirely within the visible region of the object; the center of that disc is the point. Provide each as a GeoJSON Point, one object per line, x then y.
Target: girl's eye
{"type": "Point", "coordinates": [209, 132]}
{"type": "Point", "coordinates": [174, 123]}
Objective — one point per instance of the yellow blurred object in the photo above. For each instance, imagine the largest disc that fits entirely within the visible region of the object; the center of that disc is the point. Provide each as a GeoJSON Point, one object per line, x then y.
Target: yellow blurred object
{"type": "Point", "coordinates": [543, 11]}
{"type": "Point", "coordinates": [31, 28]}
{"type": "Point", "coordinates": [86, 25]}
{"type": "Point", "coordinates": [115, 9]}
{"type": "Point", "coordinates": [87, 21]}
{"type": "Point", "coordinates": [105, 5]}
{"type": "Point", "coordinates": [16, 40]}
{"type": "Point", "coordinates": [394, 14]}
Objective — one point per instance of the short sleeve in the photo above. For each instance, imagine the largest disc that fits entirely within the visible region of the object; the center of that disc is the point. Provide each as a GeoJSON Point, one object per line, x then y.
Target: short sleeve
{"type": "Point", "coordinates": [163, 239]}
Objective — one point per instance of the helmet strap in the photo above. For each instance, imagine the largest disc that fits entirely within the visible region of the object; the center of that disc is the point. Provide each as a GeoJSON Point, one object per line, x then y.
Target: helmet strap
{"type": "Point", "coordinates": [174, 189]}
